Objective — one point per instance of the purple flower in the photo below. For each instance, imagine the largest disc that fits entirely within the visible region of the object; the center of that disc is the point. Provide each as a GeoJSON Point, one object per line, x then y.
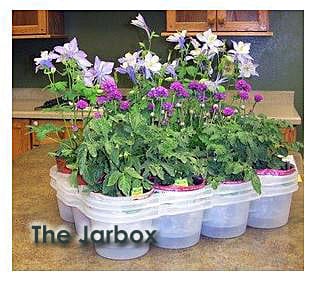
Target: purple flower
{"type": "Point", "coordinates": [158, 92]}
{"type": "Point", "coordinates": [124, 105]}
{"type": "Point", "coordinates": [228, 111]}
{"type": "Point", "coordinates": [99, 72]}
{"type": "Point", "coordinates": [197, 86]}
{"type": "Point", "coordinates": [45, 61]}
{"type": "Point", "coordinates": [171, 68]}
{"type": "Point", "coordinates": [82, 104]}
{"type": "Point", "coordinates": [202, 98]}
{"type": "Point", "coordinates": [167, 106]}
{"type": "Point", "coordinates": [242, 85]}
{"type": "Point", "coordinates": [243, 95]}
{"type": "Point", "coordinates": [70, 50]}
{"type": "Point", "coordinates": [165, 121]}
{"type": "Point", "coordinates": [101, 100]}
{"type": "Point", "coordinates": [219, 96]}
{"type": "Point", "coordinates": [178, 88]}
{"type": "Point", "coordinates": [74, 128]}
{"type": "Point", "coordinates": [258, 98]}
{"type": "Point", "coordinates": [97, 115]}
{"type": "Point", "coordinates": [151, 106]}
{"type": "Point", "coordinates": [109, 86]}
{"type": "Point", "coordinates": [116, 95]}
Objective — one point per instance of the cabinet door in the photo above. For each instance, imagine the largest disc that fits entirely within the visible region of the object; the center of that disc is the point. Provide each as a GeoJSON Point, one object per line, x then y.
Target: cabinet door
{"type": "Point", "coordinates": [21, 140]}
{"type": "Point", "coordinates": [242, 20]}
{"type": "Point", "coordinates": [29, 22]}
{"type": "Point", "coordinates": [191, 20]}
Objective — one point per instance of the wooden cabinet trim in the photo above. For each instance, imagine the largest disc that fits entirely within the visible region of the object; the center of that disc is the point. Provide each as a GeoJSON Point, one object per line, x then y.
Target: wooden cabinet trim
{"type": "Point", "coordinates": [40, 28]}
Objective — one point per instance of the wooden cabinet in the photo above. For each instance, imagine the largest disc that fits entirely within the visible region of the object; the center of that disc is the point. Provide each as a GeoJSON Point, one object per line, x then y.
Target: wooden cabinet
{"type": "Point", "coordinates": [21, 139]}
{"type": "Point", "coordinates": [37, 24]}
{"type": "Point", "coordinates": [229, 22]}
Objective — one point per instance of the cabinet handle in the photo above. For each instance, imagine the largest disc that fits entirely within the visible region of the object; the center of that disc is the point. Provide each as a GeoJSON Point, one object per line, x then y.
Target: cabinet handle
{"type": "Point", "coordinates": [211, 22]}
{"type": "Point", "coordinates": [221, 18]}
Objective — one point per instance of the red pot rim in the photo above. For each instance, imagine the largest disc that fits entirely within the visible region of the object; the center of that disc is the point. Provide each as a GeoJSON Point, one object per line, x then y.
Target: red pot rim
{"type": "Point", "coordinates": [275, 172]}
{"type": "Point", "coordinates": [179, 188]}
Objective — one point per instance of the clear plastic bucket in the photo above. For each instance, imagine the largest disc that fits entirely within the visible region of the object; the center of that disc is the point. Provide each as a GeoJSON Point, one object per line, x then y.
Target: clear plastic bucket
{"type": "Point", "coordinates": [178, 231]}
{"type": "Point", "coordinates": [81, 221]}
{"type": "Point", "coordinates": [124, 251]}
{"type": "Point", "coordinates": [227, 221]}
{"type": "Point", "coordinates": [65, 211]}
{"type": "Point", "coordinates": [270, 212]}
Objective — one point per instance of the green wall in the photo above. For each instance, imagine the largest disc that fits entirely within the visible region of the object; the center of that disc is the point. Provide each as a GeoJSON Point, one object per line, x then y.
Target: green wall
{"type": "Point", "coordinates": [109, 35]}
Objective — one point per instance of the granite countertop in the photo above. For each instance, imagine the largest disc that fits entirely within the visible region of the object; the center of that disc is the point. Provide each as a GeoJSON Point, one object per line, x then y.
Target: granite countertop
{"type": "Point", "coordinates": [276, 104]}
{"type": "Point", "coordinates": [35, 202]}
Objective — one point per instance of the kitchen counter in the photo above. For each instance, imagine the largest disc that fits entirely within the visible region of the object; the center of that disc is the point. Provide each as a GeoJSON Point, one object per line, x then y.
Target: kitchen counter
{"type": "Point", "coordinates": [35, 202]}
{"type": "Point", "coordinates": [276, 104]}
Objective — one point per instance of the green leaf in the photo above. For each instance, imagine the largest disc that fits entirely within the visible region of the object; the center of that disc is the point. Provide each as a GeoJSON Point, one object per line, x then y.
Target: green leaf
{"type": "Point", "coordinates": [124, 185]}
{"type": "Point", "coordinates": [133, 173]}
{"type": "Point", "coordinates": [168, 169]}
{"type": "Point", "coordinates": [113, 178]}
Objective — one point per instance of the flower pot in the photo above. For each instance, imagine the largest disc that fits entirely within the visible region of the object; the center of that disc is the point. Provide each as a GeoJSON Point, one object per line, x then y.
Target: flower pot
{"type": "Point", "coordinates": [80, 180]}
{"type": "Point", "coordinates": [226, 221]}
{"type": "Point", "coordinates": [230, 219]}
{"type": "Point", "coordinates": [81, 221]}
{"type": "Point", "coordinates": [179, 230]}
{"type": "Point", "coordinates": [61, 166]}
{"type": "Point", "coordinates": [65, 211]}
{"type": "Point", "coordinates": [273, 208]}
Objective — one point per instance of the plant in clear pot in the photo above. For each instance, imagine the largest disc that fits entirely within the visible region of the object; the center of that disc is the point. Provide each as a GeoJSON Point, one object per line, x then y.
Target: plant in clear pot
{"type": "Point", "coordinates": [278, 177]}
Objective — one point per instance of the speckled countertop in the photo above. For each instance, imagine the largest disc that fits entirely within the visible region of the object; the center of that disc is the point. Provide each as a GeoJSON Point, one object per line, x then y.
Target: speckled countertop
{"type": "Point", "coordinates": [276, 104]}
{"type": "Point", "coordinates": [34, 201]}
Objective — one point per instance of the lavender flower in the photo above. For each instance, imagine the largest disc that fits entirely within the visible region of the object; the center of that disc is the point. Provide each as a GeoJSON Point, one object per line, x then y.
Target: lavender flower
{"type": "Point", "coordinates": [258, 98]}
{"type": "Point", "coordinates": [82, 104]}
{"type": "Point", "coordinates": [197, 86]}
{"type": "Point", "coordinates": [242, 85]}
{"type": "Point", "coordinates": [74, 128]}
{"type": "Point", "coordinates": [97, 115]}
{"type": "Point", "coordinates": [140, 23]}
{"type": "Point", "coordinates": [101, 100]}
{"type": "Point", "coordinates": [178, 38]}
{"type": "Point", "coordinates": [202, 98]}
{"type": "Point", "coordinates": [228, 111]}
{"type": "Point", "coordinates": [178, 88]}
{"type": "Point", "coordinates": [108, 86]}
{"type": "Point", "coordinates": [243, 95]}
{"type": "Point", "coordinates": [99, 72]}
{"type": "Point", "coordinates": [219, 96]}
{"type": "Point", "coordinates": [70, 50]}
{"type": "Point", "coordinates": [124, 105]}
{"type": "Point", "coordinates": [151, 106]}
{"type": "Point", "coordinates": [116, 95]}
{"type": "Point", "coordinates": [167, 106]}
{"type": "Point", "coordinates": [158, 92]}
{"type": "Point", "coordinates": [45, 61]}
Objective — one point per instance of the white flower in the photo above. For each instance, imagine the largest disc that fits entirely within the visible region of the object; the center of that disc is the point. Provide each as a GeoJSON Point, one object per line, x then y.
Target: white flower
{"type": "Point", "coordinates": [213, 85]}
{"type": "Point", "coordinates": [241, 51]}
{"type": "Point", "coordinates": [247, 69]}
{"type": "Point", "coordinates": [45, 61]}
{"type": "Point", "coordinates": [129, 60]}
{"type": "Point", "coordinates": [179, 38]}
{"type": "Point", "coordinates": [210, 40]}
{"type": "Point", "coordinates": [152, 62]}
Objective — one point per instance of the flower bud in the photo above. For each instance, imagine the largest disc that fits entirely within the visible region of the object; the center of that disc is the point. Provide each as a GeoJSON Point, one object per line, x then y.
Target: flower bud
{"type": "Point", "coordinates": [182, 123]}
{"type": "Point", "coordinates": [242, 106]}
{"type": "Point", "coordinates": [162, 112]}
{"type": "Point", "coordinates": [152, 114]}
{"type": "Point", "coordinates": [178, 105]}
{"type": "Point", "coordinates": [191, 111]}
{"type": "Point", "coordinates": [202, 105]}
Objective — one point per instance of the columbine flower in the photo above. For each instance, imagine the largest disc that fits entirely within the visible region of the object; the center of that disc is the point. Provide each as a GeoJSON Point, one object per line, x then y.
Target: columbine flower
{"type": "Point", "coordinates": [197, 86]}
{"type": "Point", "coordinates": [241, 51]}
{"type": "Point", "coordinates": [74, 128]}
{"type": "Point", "coordinates": [243, 85]}
{"type": "Point", "coordinates": [214, 86]}
{"type": "Point", "coordinates": [247, 69]}
{"type": "Point", "coordinates": [258, 98]}
{"type": "Point", "coordinates": [129, 65]}
{"type": "Point", "coordinates": [178, 88]}
{"type": "Point", "coordinates": [99, 72]}
{"type": "Point", "coordinates": [210, 40]}
{"type": "Point", "coordinates": [140, 23]}
{"type": "Point", "coordinates": [97, 115]}
{"type": "Point", "coordinates": [179, 38]}
{"type": "Point", "coordinates": [151, 64]}
{"type": "Point", "coordinates": [228, 111]}
{"type": "Point", "coordinates": [70, 50]}
{"type": "Point", "coordinates": [171, 68]}
{"type": "Point", "coordinates": [124, 105]}
{"type": "Point", "coordinates": [243, 95]}
{"type": "Point", "coordinates": [82, 104]}
{"type": "Point", "coordinates": [45, 61]}
{"type": "Point", "coordinates": [219, 96]}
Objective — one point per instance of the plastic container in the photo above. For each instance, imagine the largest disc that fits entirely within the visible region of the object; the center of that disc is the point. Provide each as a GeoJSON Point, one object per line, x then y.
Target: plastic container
{"type": "Point", "coordinates": [228, 221]}
{"type": "Point", "coordinates": [273, 208]}
{"type": "Point", "coordinates": [65, 211]}
{"type": "Point", "coordinates": [178, 231]}
{"type": "Point", "coordinates": [81, 221]}
{"type": "Point", "coordinates": [124, 251]}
